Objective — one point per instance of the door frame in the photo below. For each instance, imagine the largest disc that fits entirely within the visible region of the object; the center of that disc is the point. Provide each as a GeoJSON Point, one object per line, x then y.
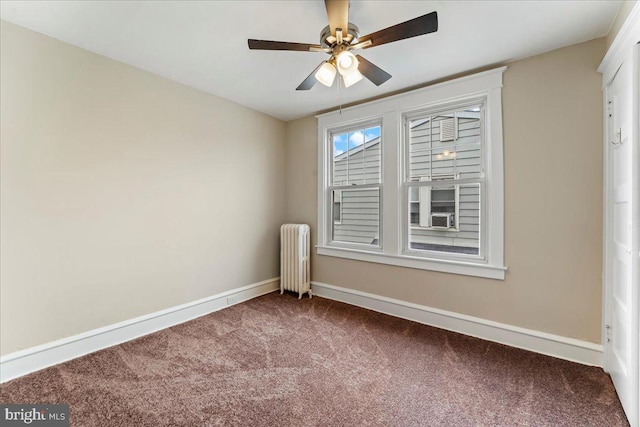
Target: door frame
{"type": "Point", "coordinates": [625, 48]}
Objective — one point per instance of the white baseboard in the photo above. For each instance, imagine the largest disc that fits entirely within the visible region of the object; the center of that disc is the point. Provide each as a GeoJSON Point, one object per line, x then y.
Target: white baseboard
{"type": "Point", "coordinates": [540, 342]}
{"type": "Point", "coordinates": [33, 359]}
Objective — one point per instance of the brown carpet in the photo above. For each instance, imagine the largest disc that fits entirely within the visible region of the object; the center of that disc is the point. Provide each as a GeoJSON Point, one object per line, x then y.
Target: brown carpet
{"type": "Point", "coordinates": [278, 361]}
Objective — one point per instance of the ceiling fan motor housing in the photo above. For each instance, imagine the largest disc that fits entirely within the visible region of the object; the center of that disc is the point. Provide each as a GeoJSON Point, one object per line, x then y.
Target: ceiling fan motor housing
{"type": "Point", "coordinates": [353, 34]}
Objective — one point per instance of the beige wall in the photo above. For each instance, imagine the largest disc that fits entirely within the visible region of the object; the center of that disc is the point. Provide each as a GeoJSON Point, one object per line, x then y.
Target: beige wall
{"type": "Point", "coordinates": [123, 193]}
{"type": "Point", "coordinates": [625, 9]}
{"type": "Point", "coordinates": [553, 202]}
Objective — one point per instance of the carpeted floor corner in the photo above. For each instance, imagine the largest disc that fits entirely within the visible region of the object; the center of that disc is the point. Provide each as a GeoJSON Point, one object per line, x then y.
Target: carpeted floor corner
{"type": "Point", "coordinates": [280, 361]}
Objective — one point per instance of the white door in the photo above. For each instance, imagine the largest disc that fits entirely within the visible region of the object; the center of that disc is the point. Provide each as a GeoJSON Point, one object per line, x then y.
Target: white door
{"type": "Point", "coordinates": [621, 250]}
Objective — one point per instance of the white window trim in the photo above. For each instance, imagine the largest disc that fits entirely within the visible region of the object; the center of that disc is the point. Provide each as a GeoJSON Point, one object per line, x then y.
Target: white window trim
{"type": "Point", "coordinates": [390, 110]}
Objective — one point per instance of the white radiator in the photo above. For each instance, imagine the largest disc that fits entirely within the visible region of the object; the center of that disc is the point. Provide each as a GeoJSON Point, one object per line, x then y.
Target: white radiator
{"type": "Point", "coordinates": [295, 259]}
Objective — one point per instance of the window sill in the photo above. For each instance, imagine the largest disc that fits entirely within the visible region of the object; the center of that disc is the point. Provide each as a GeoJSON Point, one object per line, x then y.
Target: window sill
{"type": "Point", "coordinates": [445, 229]}
{"type": "Point", "coordinates": [444, 266]}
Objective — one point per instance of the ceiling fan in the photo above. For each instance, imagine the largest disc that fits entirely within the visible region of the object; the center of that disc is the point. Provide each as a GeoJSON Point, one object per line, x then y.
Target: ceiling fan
{"type": "Point", "coordinates": [341, 37]}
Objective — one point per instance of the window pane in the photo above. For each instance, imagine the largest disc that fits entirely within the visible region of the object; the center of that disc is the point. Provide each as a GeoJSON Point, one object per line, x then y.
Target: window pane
{"type": "Point", "coordinates": [340, 167]}
{"type": "Point", "coordinates": [414, 194]}
{"type": "Point", "coordinates": [446, 218]}
{"type": "Point", "coordinates": [421, 134]}
{"type": "Point", "coordinates": [442, 163]}
{"type": "Point", "coordinates": [468, 161]}
{"type": "Point", "coordinates": [373, 171]}
{"type": "Point", "coordinates": [337, 206]}
{"type": "Point", "coordinates": [446, 144]}
{"type": "Point", "coordinates": [443, 200]}
{"type": "Point", "coordinates": [360, 217]}
{"type": "Point", "coordinates": [357, 157]}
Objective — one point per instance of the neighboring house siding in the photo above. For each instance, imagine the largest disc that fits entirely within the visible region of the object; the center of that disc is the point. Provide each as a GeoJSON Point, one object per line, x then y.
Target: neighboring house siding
{"type": "Point", "coordinates": [359, 222]}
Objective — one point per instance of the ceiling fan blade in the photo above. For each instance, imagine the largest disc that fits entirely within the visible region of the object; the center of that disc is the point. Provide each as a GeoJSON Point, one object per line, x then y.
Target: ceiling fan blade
{"type": "Point", "coordinates": [421, 25]}
{"type": "Point", "coordinates": [338, 14]}
{"type": "Point", "coordinates": [311, 80]}
{"type": "Point", "coordinates": [371, 71]}
{"type": "Point", "coordinates": [274, 45]}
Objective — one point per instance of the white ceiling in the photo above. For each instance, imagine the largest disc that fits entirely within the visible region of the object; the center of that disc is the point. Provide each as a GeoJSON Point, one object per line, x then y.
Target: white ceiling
{"type": "Point", "coordinates": [203, 44]}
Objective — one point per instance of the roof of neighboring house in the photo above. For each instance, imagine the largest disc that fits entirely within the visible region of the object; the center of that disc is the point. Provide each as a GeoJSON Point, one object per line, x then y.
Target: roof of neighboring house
{"type": "Point", "coordinates": [358, 148]}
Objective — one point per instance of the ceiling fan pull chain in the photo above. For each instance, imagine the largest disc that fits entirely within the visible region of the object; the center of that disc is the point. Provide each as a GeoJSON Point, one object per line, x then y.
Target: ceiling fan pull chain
{"type": "Point", "coordinates": [338, 96]}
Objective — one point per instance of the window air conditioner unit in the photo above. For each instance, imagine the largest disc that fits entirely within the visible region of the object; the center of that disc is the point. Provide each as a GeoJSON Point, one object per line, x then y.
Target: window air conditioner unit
{"type": "Point", "coordinates": [442, 220]}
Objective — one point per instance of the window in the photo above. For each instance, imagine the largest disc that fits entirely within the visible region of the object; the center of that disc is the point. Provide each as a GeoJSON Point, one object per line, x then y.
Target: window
{"type": "Point", "coordinates": [444, 167]}
{"type": "Point", "coordinates": [355, 185]}
{"type": "Point", "coordinates": [416, 179]}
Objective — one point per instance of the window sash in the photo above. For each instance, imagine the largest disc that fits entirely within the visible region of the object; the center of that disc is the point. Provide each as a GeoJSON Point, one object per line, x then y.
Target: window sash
{"type": "Point", "coordinates": [347, 184]}
{"type": "Point", "coordinates": [364, 126]}
{"type": "Point", "coordinates": [407, 226]}
{"type": "Point", "coordinates": [332, 226]}
{"type": "Point", "coordinates": [427, 183]}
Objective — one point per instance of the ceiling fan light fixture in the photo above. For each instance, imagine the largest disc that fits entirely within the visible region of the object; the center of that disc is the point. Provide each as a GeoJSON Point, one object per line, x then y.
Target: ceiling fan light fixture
{"type": "Point", "coordinates": [351, 78]}
{"type": "Point", "coordinates": [347, 63]}
{"type": "Point", "coordinates": [326, 74]}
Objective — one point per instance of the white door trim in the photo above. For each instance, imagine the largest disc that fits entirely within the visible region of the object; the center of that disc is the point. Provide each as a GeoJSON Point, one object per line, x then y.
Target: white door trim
{"type": "Point", "coordinates": [628, 35]}
{"type": "Point", "coordinates": [636, 203]}
{"type": "Point", "coordinates": [622, 52]}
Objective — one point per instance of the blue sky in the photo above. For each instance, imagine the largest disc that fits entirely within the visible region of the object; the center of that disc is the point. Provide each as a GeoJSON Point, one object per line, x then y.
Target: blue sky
{"type": "Point", "coordinates": [354, 139]}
